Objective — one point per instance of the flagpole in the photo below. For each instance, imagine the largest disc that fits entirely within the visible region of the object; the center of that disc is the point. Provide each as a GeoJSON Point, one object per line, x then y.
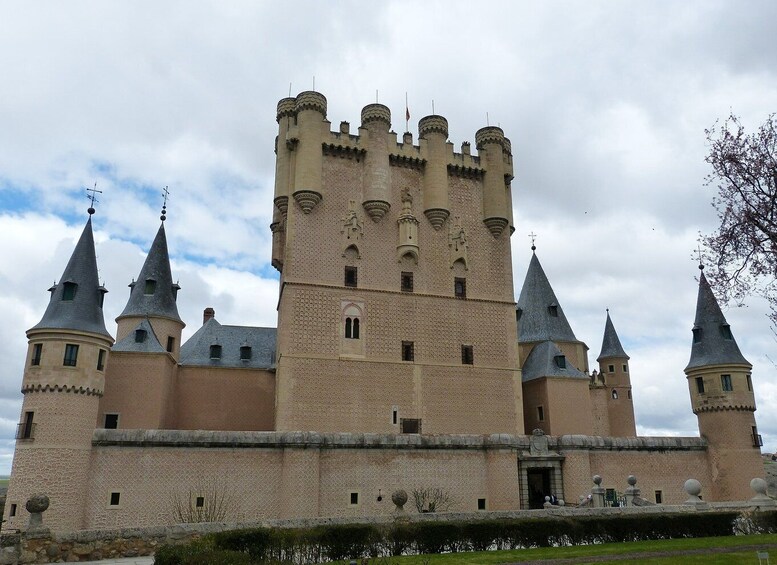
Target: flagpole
{"type": "Point", "coordinates": [407, 115]}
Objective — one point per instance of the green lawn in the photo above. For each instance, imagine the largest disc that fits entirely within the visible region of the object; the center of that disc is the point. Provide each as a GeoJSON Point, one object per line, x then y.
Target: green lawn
{"type": "Point", "coordinates": [625, 549]}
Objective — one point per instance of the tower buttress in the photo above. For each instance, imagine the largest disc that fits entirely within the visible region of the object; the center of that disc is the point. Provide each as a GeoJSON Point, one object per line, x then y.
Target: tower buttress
{"type": "Point", "coordinates": [310, 108]}
{"type": "Point", "coordinates": [721, 390]}
{"type": "Point", "coordinates": [64, 378]}
{"type": "Point", "coordinates": [491, 147]}
{"type": "Point", "coordinates": [376, 121]}
{"type": "Point", "coordinates": [434, 130]}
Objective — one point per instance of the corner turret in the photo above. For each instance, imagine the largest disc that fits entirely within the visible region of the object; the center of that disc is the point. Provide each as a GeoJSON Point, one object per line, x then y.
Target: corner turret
{"type": "Point", "coordinates": [721, 389]}
{"type": "Point", "coordinates": [64, 377]}
{"type": "Point", "coordinates": [493, 150]}
{"type": "Point", "coordinates": [611, 389]}
{"type": "Point", "coordinates": [434, 130]}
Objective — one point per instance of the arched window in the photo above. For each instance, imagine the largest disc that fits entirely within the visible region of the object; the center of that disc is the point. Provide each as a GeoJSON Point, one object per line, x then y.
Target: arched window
{"type": "Point", "coordinates": [352, 328]}
{"type": "Point", "coordinates": [352, 315]}
{"type": "Point", "coordinates": [356, 328]}
{"type": "Point", "coordinates": [348, 326]}
{"type": "Point", "coordinates": [615, 395]}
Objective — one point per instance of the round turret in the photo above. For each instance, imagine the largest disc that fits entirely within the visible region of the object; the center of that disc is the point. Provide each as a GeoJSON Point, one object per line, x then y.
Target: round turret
{"type": "Point", "coordinates": [310, 100]}
{"type": "Point", "coordinates": [376, 112]}
{"type": "Point", "coordinates": [433, 124]}
{"type": "Point", "coordinates": [286, 108]}
{"type": "Point", "coordinates": [490, 134]}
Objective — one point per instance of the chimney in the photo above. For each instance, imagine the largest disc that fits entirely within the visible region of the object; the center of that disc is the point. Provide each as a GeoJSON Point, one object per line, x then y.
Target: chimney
{"type": "Point", "coordinates": [207, 314]}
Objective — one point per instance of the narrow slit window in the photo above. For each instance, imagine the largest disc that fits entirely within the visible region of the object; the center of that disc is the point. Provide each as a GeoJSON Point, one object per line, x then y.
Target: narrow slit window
{"type": "Point", "coordinates": [12, 513]}
{"type": "Point", "coordinates": [71, 355]}
{"type": "Point", "coordinates": [460, 287]}
{"type": "Point", "coordinates": [170, 343]}
{"type": "Point", "coordinates": [659, 497]}
{"type": "Point", "coordinates": [37, 352]}
{"type": "Point", "coordinates": [700, 385]}
{"type": "Point", "coordinates": [749, 383]}
{"type": "Point", "coordinates": [356, 328]}
{"type": "Point", "coordinates": [349, 328]}
{"type": "Point", "coordinates": [407, 282]}
{"type": "Point", "coordinates": [408, 353]}
{"type": "Point", "coordinates": [101, 360]}
{"type": "Point", "coordinates": [467, 355]}
{"type": "Point", "coordinates": [351, 278]}
{"type": "Point", "coordinates": [540, 414]}
{"type": "Point", "coordinates": [726, 384]}
{"type": "Point", "coordinates": [394, 415]}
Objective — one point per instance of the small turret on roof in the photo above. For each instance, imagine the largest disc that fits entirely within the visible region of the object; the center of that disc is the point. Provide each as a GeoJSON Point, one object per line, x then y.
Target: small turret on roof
{"type": "Point", "coordinates": [76, 302]}
{"type": "Point", "coordinates": [611, 345]}
{"type": "Point", "coordinates": [539, 314]}
{"type": "Point", "coordinates": [713, 342]}
{"type": "Point", "coordinates": [154, 293]}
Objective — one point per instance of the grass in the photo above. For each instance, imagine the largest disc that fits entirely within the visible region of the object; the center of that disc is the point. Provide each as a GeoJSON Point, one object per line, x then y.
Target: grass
{"type": "Point", "coordinates": [708, 545]}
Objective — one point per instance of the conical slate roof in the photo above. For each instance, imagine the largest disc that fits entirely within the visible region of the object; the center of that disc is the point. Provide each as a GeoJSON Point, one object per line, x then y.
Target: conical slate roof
{"type": "Point", "coordinates": [76, 302]}
{"type": "Point", "coordinates": [611, 345]}
{"type": "Point", "coordinates": [543, 362]}
{"type": "Point", "coordinates": [713, 342]}
{"type": "Point", "coordinates": [541, 317]}
{"type": "Point", "coordinates": [158, 301]}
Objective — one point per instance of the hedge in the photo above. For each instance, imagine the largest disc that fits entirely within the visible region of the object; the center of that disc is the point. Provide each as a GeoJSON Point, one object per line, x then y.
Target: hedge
{"type": "Point", "coordinates": [353, 541]}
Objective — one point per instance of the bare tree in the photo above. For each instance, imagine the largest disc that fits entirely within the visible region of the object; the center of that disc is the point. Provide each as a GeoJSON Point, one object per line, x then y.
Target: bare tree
{"type": "Point", "coordinates": [742, 253]}
{"type": "Point", "coordinates": [210, 501]}
{"type": "Point", "coordinates": [433, 500]}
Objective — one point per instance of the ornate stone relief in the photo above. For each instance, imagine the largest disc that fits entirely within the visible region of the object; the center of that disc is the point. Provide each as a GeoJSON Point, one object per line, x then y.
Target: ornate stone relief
{"type": "Point", "coordinates": [457, 243]}
{"type": "Point", "coordinates": [352, 230]}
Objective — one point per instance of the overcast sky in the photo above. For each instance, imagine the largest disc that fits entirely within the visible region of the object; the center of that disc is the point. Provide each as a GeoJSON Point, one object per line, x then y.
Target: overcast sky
{"type": "Point", "coordinates": [605, 103]}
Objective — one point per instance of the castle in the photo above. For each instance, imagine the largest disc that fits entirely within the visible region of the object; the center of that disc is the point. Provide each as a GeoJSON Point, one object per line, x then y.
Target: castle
{"type": "Point", "coordinates": [400, 360]}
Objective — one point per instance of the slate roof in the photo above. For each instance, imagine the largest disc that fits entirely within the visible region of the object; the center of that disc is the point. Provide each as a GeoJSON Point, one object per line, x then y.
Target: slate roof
{"type": "Point", "coordinates": [149, 345]}
{"type": "Point", "coordinates": [716, 344]}
{"type": "Point", "coordinates": [83, 312]}
{"type": "Point", "coordinates": [536, 322]}
{"type": "Point", "coordinates": [157, 268]}
{"type": "Point", "coordinates": [611, 345]}
{"type": "Point", "coordinates": [542, 363]}
{"type": "Point", "coordinates": [196, 350]}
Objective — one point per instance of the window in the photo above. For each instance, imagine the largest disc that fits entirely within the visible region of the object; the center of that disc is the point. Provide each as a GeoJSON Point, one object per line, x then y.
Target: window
{"type": "Point", "coordinates": [410, 425]}
{"type": "Point", "coordinates": [696, 335]}
{"type": "Point", "coordinates": [659, 497]}
{"type": "Point", "coordinates": [725, 383]}
{"type": "Point", "coordinates": [71, 355]}
{"type": "Point", "coordinates": [115, 497]}
{"type": "Point", "coordinates": [407, 350]}
{"type": "Point", "coordinates": [69, 290]}
{"type": "Point", "coordinates": [749, 383]}
{"type": "Point", "coordinates": [140, 336]}
{"type": "Point", "coordinates": [111, 421]}
{"type": "Point", "coordinates": [540, 414]}
{"type": "Point", "coordinates": [170, 343]}
{"type": "Point", "coordinates": [354, 498]}
{"type": "Point", "coordinates": [481, 503]}
{"type": "Point", "coordinates": [467, 356]}
{"type": "Point", "coordinates": [615, 395]}
{"type": "Point", "coordinates": [26, 430]}
{"type": "Point", "coordinates": [553, 310]}
{"type": "Point", "coordinates": [629, 394]}
{"type": "Point", "coordinates": [200, 502]}
{"type": "Point", "coordinates": [350, 276]}
{"type": "Point", "coordinates": [12, 512]}
{"type": "Point", "coordinates": [245, 353]}
{"type": "Point", "coordinates": [407, 282]}
{"type": "Point", "coordinates": [625, 368]}
{"type": "Point", "coordinates": [757, 440]}
{"type": "Point", "coordinates": [352, 328]}
{"type": "Point", "coordinates": [725, 331]}
{"type": "Point", "coordinates": [394, 415]}
{"type": "Point", "coordinates": [700, 385]}
{"type": "Point", "coordinates": [101, 360]}
{"type": "Point", "coordinates": [518, 313]}
{"type": "Point", "coordinates": [37, 351]}
{"type": "Point", "coordinates": [215, 352]}
{"type": "Point", "coordinates": [610, 368]}
{"type": "Point", "coordinates": [460, 287]}
{"type": "Point", "coordinates": [561, 361]}
{"type": "Point", "coordinates": [150, 287]}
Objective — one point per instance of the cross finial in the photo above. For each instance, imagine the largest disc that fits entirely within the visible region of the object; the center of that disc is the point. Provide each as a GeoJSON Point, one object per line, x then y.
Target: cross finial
{"type": "Point", "coordinates": [533, 236]}
{"type": "Point", "coordinates": [698, 255]}
{"type": "Point", "coordinates": [165, 194]}
{"type": "Point", "coordinates": [92, 197]}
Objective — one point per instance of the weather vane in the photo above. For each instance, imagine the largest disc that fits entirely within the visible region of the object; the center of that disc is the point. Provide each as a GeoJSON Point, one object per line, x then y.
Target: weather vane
{"type": "Point", "coordinates": [698, 254]}
{"type": "Point", "coordinates": [166, 194]}
{"type": "Point", "coordinates": [533, 235]}
{"type": "Point", "coordinates": [92, 197]}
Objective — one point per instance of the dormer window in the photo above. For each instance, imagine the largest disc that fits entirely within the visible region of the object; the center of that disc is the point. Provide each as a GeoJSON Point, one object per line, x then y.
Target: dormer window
{"type": "Point", "coordinates": [696, 335]}
{"type": "Point", "coordinates": [561, 361]}
{"type": "Point", "coordinates": [140, 336]}
{"type": "Point", "coordinates": [150, 286]}
{"type": "Point", "coordinates": [69, 290]}
{"type": "Point", "coordinates": [245, 353]}
{"type": "Point", "coordinates": [215, 352]}
{"type": "Point", "coordinates": [553, 310]}
{"type": "Point", "coordinates": [725, 331]}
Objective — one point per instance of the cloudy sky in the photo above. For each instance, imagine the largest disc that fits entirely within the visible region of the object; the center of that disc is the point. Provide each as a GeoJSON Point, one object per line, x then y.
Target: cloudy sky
{"type": "Point", "coordinates": [605, 103]}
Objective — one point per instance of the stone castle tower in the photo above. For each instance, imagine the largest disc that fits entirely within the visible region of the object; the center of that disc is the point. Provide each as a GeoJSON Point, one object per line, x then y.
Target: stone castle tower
{"type": "Point", "coordinates": [721, 389]}
{"type": "Point", "coordinates": [396, 303]}
{"type": "Point", "coordinates": [64, 378]}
